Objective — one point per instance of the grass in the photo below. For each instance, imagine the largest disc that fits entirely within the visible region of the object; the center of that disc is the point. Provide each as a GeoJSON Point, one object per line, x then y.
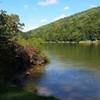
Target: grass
{"type": "Point", "coordinates": [16, 93]}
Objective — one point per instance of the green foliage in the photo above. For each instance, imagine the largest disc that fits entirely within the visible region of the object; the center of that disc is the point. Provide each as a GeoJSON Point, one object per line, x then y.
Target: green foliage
{"type": "Point", "coordinates": [9, 25]}
{"type": "Point", "coordinates": [16, 93]}
{"type": "Point", "coordinates": [14, 60]}
{"type": "Point", "coordinates": [33, 41]}
{"type": "Point", "coordinates": [81, 26]}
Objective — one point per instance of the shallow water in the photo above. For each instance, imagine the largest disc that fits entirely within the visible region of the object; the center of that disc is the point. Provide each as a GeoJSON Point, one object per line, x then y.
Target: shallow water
{"type": "Point", "coordinates": [73, 74]}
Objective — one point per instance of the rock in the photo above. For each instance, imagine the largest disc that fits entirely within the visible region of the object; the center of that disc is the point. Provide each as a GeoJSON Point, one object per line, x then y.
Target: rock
{"type": "Point", "coordinates": [27, 74]}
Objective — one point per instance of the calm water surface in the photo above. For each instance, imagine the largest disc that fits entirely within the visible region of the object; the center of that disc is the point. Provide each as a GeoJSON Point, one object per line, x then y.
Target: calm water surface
{"type": "Point", "coordinates": [73, 74]}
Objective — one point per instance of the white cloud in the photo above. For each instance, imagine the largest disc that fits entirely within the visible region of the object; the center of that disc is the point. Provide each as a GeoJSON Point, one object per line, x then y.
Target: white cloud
{"type": "Point", "coordinates": [29, 27]}
{"type": "Point", "coordinates": [92, 6]}
{"type": "Point", "coordinates": [47, 2]}
{"type": "Point", "coordinates": [66, 8]}
{"type": "Point", "coordinates": [44, 20]}
{"type": "Point", "coordinates": [26, 6]}
{"type": "Point", "coordinates": [60, 17]}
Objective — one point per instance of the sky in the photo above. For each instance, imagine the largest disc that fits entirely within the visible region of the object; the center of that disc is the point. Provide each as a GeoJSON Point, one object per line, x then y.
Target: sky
{"type": "Point", "coordinates": [35, 13]}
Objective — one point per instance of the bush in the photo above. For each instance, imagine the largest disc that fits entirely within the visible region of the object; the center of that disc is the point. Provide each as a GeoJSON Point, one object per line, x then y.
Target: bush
{"type": "Point", "coordinates": [13, 59]}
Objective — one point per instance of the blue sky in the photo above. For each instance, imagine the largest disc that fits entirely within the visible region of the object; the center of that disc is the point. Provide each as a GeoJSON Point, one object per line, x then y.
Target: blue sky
{"type": "Point", "coordinates": [35, 13]}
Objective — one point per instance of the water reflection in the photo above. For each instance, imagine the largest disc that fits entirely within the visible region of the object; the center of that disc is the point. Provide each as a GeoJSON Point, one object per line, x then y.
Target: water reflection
{"type": "Point", "coordinates": [86, 55]}
{"type": "Point", "coordinates": [73, 74]}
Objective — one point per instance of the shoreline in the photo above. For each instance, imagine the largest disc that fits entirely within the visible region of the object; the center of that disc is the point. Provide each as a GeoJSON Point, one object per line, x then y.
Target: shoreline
{"type": "Point", "coordinates": [80, 42]}
{"type": "Point", "coordinates": [90, 42]}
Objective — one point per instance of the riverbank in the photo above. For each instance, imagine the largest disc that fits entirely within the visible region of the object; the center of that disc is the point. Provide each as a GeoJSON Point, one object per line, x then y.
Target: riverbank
{"type": "Point", "coordinates": [17, 93]}
{"type": "Point", "coordinates": [90, 42]}
{"type": "Point", "coordinates": [15, 60]}
{"type": "Point", "coordinates": [73, 42]}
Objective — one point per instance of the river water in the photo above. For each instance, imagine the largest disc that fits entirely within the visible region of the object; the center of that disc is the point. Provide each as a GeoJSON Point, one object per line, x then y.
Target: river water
{"type": "Point", "coordinates": [72, 74]}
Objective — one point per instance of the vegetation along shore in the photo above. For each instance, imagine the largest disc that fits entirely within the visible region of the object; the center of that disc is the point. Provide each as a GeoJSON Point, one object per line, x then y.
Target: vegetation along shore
{"type": "Point", "coordinates": [16, 57]}
{"type": "Point", "coordinates": [21, 51]}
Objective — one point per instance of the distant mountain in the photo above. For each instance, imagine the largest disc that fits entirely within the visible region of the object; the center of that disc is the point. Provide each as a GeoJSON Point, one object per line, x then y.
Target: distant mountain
{"type": "Point", "coordinates": [81, 26]}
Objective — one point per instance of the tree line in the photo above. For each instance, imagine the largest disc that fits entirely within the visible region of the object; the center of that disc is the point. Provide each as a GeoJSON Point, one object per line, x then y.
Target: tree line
{"type": "Point", "coordinates": [79, 27]}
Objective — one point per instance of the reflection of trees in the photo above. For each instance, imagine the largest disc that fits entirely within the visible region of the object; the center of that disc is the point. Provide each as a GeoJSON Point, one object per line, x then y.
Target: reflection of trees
{"type": "Point", "coordinates": [88, 55]}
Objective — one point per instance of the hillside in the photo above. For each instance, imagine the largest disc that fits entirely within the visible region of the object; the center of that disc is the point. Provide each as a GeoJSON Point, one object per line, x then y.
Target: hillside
{"type": "Point", "coordinates": [81, 26]}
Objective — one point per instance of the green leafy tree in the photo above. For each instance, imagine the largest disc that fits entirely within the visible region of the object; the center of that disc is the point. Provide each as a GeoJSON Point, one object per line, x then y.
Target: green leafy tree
{"type": "Point", "coordinates": [9, 25]}
{"type": "Point", "coordinates": [79, 27]}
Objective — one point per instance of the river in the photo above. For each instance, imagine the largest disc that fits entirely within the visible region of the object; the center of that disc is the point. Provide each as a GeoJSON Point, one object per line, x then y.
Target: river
{"type": "Point", "coordinates": [72, 74]}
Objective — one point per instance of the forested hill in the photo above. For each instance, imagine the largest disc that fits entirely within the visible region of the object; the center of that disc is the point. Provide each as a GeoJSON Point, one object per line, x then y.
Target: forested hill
{"type": "Point", "coordinates": [81, 26]}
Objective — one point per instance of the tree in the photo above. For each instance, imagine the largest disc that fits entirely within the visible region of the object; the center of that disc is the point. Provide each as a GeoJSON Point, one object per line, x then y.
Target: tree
{"type": "Point", "coordinates": [79, 27]}
{"type": "Point", "coordinates": [9, 25]}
